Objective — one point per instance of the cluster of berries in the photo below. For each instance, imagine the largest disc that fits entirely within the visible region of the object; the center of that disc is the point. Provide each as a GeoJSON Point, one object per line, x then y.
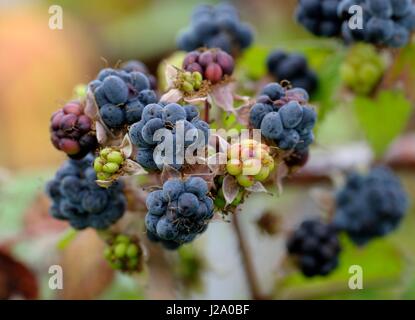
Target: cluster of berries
{"type": "Point", "coordinates": [284, 117]}
{"type": "Point", "coordinates": [189, 82]}
{"type": "Point", "coordinates": [165, 132]}
{"type": "Point", "coordinates": [179, 212]}
{"type": "Point", "coordinates": [320, 17]}
{"type": "Point", "coordinates": [294, 68]}
{"type": "Point", "coordinates": [72, 132]}
{"type": "Point", "coordinates": [121, 96]}
{"type": "Point", "coordinates": [108, 163]}
{"type": "Point", "coordinates": [362, 69]}
{"type": "Point", "coordinates": [138, 66]}
{"type": "Point", "coordinates": [385, 22]}
{"type": "Point", "coordinates": [249, 161]}
{"type": "Point", "coordinates": [77, 198]}
{"type": "Point", "coordinates": [213, 64]}
{"type": "Point", "coordinates": [124, 253]}
{"type": "Point", "coordinates": [370, 206]}
{"type": "Point", "coordinates": [216, 27]}
{"type": "Point", "coordinates": [316, 247]}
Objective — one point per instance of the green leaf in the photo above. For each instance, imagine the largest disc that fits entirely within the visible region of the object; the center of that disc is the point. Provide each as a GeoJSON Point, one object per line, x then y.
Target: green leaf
{"type": "Point", "coordinates": [329, 83]}
{"type": "Point", "coordinates": [252, 62]}
{"type": "Point", "coordinates": [382, 119]}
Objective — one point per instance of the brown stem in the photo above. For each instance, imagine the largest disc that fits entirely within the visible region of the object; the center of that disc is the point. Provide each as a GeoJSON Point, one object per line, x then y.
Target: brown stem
{"type": "Point", "coordinates": [247, 262]}
{"type": "Point", "coordinates": [207, 108]}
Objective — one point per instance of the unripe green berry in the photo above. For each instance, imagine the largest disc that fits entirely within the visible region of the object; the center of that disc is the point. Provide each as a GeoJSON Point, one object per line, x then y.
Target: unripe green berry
{"type": "Point", "coordinates": [98, 164]}
{"type": "Point", "coordinates": [104, 152]}
{"type": "Point", "coordinates": [197, 77]}
{"type": "Point", "coordinates": [115, 157]}
{"type": "Point", "coordinates": [110, 167]}
{"type": "Point", "coordinates": [347, 73]}
{"type": "Point", "coordinates": [262, 174]}
{"type": "Point", "coordinates": [188, 76]}
{"type": "Point", "coordinates": [368, 72]}
{"type": "Point", "coordinates": [234, 167]}
{"type": "Point", "coordinates": [132, 250]}
{"type": "Point", "coordinates": [187, 87]}
{"type": "Point", "coordinates": [197, 85]}
{"type": "Point", "coordinates": [121, 238]}
{"type": "Point", "coordinates": [103, 175]}
{"type": "Point", "coordinates": [120, 250]}
{"type": "Point", "coordinates": [245, 181]}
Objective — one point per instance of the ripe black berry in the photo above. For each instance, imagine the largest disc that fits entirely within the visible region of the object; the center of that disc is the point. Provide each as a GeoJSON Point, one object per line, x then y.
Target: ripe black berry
{"type": "Point", "coordinates": [78, 199]}
{"type": "Point", "coordinates": [294, 68]}
{"type": "Point", "coordinates": [316, 247]}
{"type": "Point", "coordinates": [370, 206]}
{"type": "Point", "coordinates": [179, 212]}
{"type": "Point", "coordinates": [216, 27]}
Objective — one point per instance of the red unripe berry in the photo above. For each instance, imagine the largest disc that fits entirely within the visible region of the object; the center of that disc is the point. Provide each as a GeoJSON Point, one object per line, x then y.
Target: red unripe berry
{"type": "Point", "coordinates": [214, 73]}
{"type": "Point", "coordinates": [194, 67]}
{"type": "Point", "coordinates": [68, 122]}
{"type": "Point", "coordinates": [74, 134]}
{"type": "Point", "coordinates": [190, 58]}
{"type": "Point", "coordinates": [56, 119]}
{"type": "Point", "coordinates": [226, 62]}
{"type": "Point", "coordinates": [84, 123]}
{"type": "Point", "coordinates": [73, 108]}
{"type": "Point", "coordinates": [69, 146]}
{"type": "Point", "coordinates": [60, 133]}
{"type": "Point", "coordinates": [205, 59]}
{"type": "Point", "coordinates": [55, 140]}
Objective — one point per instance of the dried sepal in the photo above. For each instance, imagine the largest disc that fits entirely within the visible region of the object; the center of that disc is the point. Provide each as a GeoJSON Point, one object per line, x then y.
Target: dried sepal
{"type": "Point", "coordinates": [230, 189]}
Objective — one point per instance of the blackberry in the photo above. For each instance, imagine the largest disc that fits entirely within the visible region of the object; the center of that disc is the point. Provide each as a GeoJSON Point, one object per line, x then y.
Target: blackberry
{"type": "Point", "coordinates": [165, 124]}
{"type": "Point", "coordinates": [179, 212]}
{"type": "Point", "coordinates": [320, 17]}
{"type": "Point", "coordinates": [216, 27]}
{"type": "Point", "coordinates": [78, 199]}
{"type": "Point", "coordinates": [284, 117]}
{"type": "Point", "coordinates": [316, 248]}
{"type": "Point", "coordinates": [370, 206]}
{"type": "Point", "coordinates": [138, 66]}
{"type": "Point", "coordinates": [386, 22]}
{"type": "Point", "coordinates": [294, 68]}
{"type": "Point", "coordinates": [122, 94]}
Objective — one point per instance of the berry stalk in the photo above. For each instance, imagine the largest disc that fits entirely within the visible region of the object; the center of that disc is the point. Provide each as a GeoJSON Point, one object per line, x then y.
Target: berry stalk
{"type": "Point", "coordinates": [247, 261]}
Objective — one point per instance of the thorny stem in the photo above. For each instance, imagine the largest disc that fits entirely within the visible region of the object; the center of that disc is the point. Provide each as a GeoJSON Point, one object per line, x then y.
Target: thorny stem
{"type": "Point", "coordinates": [247, 261]}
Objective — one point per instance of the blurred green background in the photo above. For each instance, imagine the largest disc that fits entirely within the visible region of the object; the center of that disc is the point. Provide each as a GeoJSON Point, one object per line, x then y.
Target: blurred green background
{"type": "Point", "coordinates": [40, 68]}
